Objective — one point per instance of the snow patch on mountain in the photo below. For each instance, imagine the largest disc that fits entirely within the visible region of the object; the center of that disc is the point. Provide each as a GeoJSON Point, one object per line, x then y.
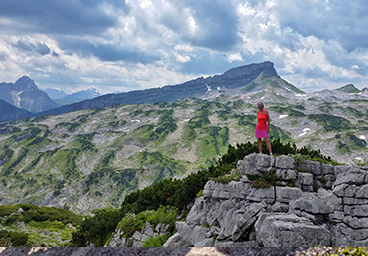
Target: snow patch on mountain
{"type": "Point", "coordinates": [305, 130]}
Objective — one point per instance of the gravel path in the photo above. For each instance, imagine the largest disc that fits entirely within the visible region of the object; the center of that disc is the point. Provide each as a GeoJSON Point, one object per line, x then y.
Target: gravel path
{"type": "Point", "coordinates": [194, 251]}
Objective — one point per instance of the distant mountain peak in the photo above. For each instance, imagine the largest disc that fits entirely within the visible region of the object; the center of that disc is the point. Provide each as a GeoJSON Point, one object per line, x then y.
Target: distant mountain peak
{"type": "Point", "coordinates": [267, 68]}
{"type": "Point", "coordinates": [349, 88]}
{"type": "Point", "coordinates": [26, 82]}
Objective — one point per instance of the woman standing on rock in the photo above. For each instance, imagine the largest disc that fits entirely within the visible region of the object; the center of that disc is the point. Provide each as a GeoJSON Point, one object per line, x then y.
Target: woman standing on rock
{"type": "Point", "coordinates": [262, 128]}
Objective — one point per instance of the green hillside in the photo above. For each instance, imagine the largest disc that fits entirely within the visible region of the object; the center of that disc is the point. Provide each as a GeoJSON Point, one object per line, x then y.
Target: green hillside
{"type": "Point", "coordinates": [93, 158]}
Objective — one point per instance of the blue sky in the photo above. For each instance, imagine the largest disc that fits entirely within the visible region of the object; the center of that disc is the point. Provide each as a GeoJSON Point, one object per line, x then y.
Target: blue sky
{"type": "Point", "coordinates": [123, 45]}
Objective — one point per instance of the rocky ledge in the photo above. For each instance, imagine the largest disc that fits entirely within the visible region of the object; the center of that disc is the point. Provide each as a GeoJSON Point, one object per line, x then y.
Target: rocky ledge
{"type": "Point", "coordinates": [313, 204]}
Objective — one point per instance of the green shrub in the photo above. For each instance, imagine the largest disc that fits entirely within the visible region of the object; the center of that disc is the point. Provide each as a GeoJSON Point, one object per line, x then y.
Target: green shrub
{"type": "Point", "coordinates": [200, 193]}
{"type": "Point", "coordinates": [227, 178]}
{"type": "Point", "coordinates": [155, 241]}
{"type": "Point", "coordinates": [269, 179]}
{"type": "Point", "coordinates": [353, 251]}
{"type": "Point", "coordinates": [18, 239]}
{"type": "Point", "coordinates": [38, 214]}
{"type": "Point", "coordinates": [164, 215]}
{"type": "Point", "coordinates": [8, 209]}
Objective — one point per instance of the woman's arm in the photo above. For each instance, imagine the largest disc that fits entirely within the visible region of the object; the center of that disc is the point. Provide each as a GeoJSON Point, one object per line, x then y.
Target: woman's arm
{"type": "Point", "coordinates": [268, 121]}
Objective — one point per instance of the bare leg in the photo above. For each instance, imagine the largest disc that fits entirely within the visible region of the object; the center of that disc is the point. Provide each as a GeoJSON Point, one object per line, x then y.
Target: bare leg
{"type": "Point", "coordinates": [268, 145]}
{"type": "Point", "coordinates": [260, 145]}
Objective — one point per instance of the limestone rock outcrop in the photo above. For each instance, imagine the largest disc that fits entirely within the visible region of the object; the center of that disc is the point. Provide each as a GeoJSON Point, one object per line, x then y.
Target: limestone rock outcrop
{"type": "Point", "coordinates": [313, 204]}
{"type": "Point", "coordinates": [139, 237]}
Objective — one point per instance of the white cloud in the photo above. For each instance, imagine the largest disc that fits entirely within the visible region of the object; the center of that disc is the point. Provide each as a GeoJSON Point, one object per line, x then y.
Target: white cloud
{"type": "Point", "coordinates": [234, 57]}
{"type": "Point", "coordinates": [184, 48]}
{"type": "Point", "coordinates": [245, 9]}
{"type": "Point", "coordinates": [146, 3]}
{"type": "Point", "coordinates": [181, 58]}
{"type": "Point", "coordinates": [151, 43]}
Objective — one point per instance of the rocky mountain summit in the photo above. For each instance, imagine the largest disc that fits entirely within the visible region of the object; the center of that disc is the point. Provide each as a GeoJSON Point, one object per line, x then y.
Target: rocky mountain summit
{"type": "Point", "coordinates": [349, 88]}
{"type": "Point", "coordinates": [313, 204]}
{"type": "Point", "coordinates": [228, 83]}
{"type": "Point", "coordinates": [25, 94]}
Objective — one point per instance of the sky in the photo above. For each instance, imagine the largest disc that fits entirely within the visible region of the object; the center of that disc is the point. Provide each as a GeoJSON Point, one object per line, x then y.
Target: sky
{"type": "Point", "coordinates": [124, 45]}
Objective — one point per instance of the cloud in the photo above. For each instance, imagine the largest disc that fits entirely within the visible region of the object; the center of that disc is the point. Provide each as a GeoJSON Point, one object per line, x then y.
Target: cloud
{"type": "Point", "coordinates": [208, 24]}
{"type": "Point", "coordinates": [234, 57]}
{"type": "Point", "coordinates": [151, 43]}
{"type": "Point", "coordinates": [327, 20]}
{"type": "Point", "coordinates": [62, 17]}
{"type": "Point", "coordinates": [39, 48]}
{"type": "Point", "coordinates": [108, 52]}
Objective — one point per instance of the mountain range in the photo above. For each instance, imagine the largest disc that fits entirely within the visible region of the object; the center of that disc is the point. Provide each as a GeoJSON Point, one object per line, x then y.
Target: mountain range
{"type": "Point", "coordinates": [228, 83]}
{"type": "Point", "coordinates": [25, 94]}
{"type": "Point", "coordinates": [91, 158]}
{"type": "Point", "coordinates": [62, 98]}
{"type": "Point", "coordinates": [232, 82]}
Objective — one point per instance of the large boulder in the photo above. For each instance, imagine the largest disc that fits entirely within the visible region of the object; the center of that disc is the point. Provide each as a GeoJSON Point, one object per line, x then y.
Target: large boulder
{"type": "Point", "coordinates": [324, 202]}
{"type": "Point", "coordinates": [289, 230]}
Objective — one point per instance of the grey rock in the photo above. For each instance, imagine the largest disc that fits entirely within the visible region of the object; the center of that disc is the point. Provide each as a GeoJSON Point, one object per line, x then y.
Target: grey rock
{"type": "Point", "coordinates": [281, 216]}
{"type": "Point", "coordinates": [174, 241]}
{"type": "Point", "coordinates": [350, 191]}
{"type": "Point", "coordinates": [285, 162]}
{"type": "Point", "coordinates": [158, 228]}
{"type": "Point", "coordinates": [240, 166]}
{"type": "Point", "coordinates": [228, 224]}
{"type": "Point", "coordinates": [205, 243]}
{"type": "Point", "coordinates": [247, 220]}
{"type": "Point", "coordinates": [336, 216]}
{"type": "Point", "coordinates": [148, 230]}
{"type": "Point", "coordinates": [197, 211]}
{"type": "Point", "coordinates": [341, 169]}
{"type": "Point", "coordinates": [285, 194]}
{"type": "Point", "coordinates": [359, 201]}
{"type": "Point", "coordinates": [330, 177]}
{"type": "Point", "coordinates": [328, 169]}
{"type": "Point", "coordinates": [236, 244]}
{"type": "Point", "coordinates": [362, 192]}
{"type": "Point", "coordinates": [340, 190]}
{"type": "Point", "coordinates": [290, 175]}
{"type": "Point", "coordinates": [313, 167]}
{"type": "Point", "coordinates": [352, 176]}
{"type": "Point", "coordinates": [117, 240]}
{"type": "Point", "coordinates": [185, 232]}
{"type": "Point", "coordinates": [305, 178]}
{"type": "Point", "coordinates": [198, 235]}
{"type": "Point", "coordinates": [289, 230]}
{"type": "Point", "coordinates": [323, 203]}
{"type": "Point", "coordinates": [356, 211]}
{"type": "Point", "coordinates": [137, 235]}
{"type": "Point", "coordinates": [278, 207]}
{"type": "Point", "coordinates": [144, 237]}
{"type": "Point", "coordinates": [356, 223]}
{"type": "Point", "coordinates": [348, 201]}
{"type": "Point", "coordinates": [137, 243]}
{"type": "Point", "coordinates": [257, 164]}
{"type": "Point", "coordinates": [262, 195]}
